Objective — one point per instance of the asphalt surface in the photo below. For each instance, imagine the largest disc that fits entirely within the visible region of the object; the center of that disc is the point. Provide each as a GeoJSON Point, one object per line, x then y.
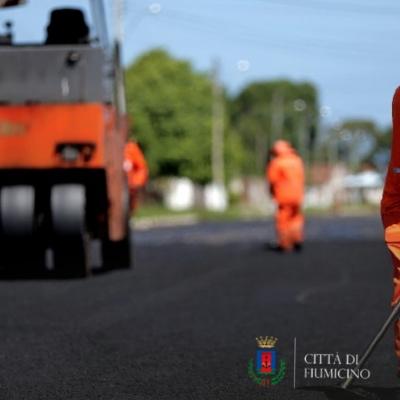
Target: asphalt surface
{"type": "Point", "coordinates": [182, 323]}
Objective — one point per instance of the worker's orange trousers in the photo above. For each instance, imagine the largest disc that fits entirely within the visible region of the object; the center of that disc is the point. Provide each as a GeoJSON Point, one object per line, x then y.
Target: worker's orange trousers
{"type": "Point", "coordinates": [390, 210]}
{"type": "Point", "coordinates": [289, 225]}
{"type": "Point", "coordinates": [392, 238]}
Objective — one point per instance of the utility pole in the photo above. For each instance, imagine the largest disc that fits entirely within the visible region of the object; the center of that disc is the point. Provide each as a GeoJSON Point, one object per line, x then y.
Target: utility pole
{"type": "Point", "coordinates": [302, 136]}
{"type": "Point", "coordinates": [278, 115]}
{"type": "Point", "coordinates": [215, 194]}
{"type": "Point", "coordinates": [217, 142]}
{"type": "Point", "coordinates": [119, 9]}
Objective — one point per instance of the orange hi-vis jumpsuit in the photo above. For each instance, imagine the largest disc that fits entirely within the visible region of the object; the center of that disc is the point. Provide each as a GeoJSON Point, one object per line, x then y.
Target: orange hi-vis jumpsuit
{"type": "Point", "coordinates": [285, 174]}
{"type": "Point", "coordinates": [390, 210]}
{"type": "Point", "coordinates": [135, 166]}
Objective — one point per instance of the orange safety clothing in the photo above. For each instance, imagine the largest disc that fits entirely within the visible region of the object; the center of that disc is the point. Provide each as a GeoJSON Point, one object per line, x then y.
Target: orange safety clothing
{"type": "Point", "coordinates": [285, 174]}
{"type": "Point", "coordinates": [135, 165]}
{"type": "Point", "coordinates": [289, 225]}
{"type": "Point", "coordinates": [390, 210]}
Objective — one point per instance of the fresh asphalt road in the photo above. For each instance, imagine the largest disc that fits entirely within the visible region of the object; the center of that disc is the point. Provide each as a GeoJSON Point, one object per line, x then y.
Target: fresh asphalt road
{"type": "Point", "coordinates": [182, 323]}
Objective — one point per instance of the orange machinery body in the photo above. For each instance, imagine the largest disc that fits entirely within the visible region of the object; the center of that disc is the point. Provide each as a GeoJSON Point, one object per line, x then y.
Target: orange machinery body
{"type": "Point", "coordinates": [31, 137]}
{"type": "Point", "coordinates": [63, 129]}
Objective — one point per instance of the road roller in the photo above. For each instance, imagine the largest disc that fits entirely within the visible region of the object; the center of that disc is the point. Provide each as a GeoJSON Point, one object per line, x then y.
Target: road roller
{"type": "Point", "coordinates": [63, 128]}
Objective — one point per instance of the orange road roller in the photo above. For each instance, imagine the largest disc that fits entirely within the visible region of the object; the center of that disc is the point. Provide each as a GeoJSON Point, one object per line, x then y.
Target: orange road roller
{"type": "Point", "coordinates": [63, 128]}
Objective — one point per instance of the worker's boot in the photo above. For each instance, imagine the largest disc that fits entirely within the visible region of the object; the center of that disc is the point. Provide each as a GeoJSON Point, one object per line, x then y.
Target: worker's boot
{"type": "Point", "coordinates": [275, 247]}
{"type": "Point", "coordinates": [278, 248]}
{"type": "Point", "coordinates": [298, 247]}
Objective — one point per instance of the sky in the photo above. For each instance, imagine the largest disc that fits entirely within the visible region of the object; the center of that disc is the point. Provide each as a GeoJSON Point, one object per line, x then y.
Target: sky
{"type": "Point", "coordinates": [348, 48]}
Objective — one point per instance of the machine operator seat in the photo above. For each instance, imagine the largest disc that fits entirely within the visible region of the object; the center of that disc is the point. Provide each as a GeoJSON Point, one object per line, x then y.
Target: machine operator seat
{"type": "Point", "coordinates": [67, 26]}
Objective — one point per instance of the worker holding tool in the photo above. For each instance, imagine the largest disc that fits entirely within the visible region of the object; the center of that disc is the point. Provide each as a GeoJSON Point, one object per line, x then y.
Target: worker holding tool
{"type": "Point", "coordinates": [285, 174]}
{"type": "Point", "coordinates": [135, 166]}
{"type": "Point", "coordinates": [390, 210]}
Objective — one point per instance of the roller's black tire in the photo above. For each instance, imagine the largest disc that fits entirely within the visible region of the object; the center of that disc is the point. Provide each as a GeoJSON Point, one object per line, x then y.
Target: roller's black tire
{"type": "Point", "coordinates": [70, 238]}
{"type": "Point", "coordinates": [22, 258]}
{"type": "Point", "coordinates": [117, 254]}
{"type": "Point", "coordinates": [22, 249]}
{"type": "Point", "coordinates": [71, 257]}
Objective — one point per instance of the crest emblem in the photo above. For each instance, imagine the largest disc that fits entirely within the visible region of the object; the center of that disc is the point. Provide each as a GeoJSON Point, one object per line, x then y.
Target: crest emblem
{"type": "Point", "coordinates": [265, 370]}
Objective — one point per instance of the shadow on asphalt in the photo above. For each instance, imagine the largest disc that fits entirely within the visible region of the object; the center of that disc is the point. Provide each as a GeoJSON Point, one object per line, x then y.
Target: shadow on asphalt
{"type": "Point", "coordinates": [45, 274]}
{"type": "Point", "coordinates": [356, 392]}
{"type": "Point", "coordinates": [274, 248]}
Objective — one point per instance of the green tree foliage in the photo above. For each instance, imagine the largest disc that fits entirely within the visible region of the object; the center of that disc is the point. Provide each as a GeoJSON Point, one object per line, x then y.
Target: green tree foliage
{"type": "Point", "coordinates": [355, 141]}
{"type": "Point", "coordinates": [171, 109]}
{"type": "Point", "coordinates": [265, 111]}
{"type": "Point", "coordinates": [380, 154]}
{"type": "Point", "coordinates": [360, 139]}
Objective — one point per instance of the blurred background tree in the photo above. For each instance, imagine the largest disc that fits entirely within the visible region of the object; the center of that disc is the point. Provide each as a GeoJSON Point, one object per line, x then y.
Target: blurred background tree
{"type": "Point", "coordinates": [356, 139]}
{"type": "Point", "coordinates": [356, 143]}
{"type": "Point", "coordinates": [265, 111]}
{"type": "Point", "coordinates": [380, 154]}
{"type": "Point", "coordinates": [170, 107]}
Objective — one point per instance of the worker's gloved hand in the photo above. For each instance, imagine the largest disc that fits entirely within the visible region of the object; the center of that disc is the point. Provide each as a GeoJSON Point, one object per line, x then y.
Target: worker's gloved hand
{"type": "Point", "coordinates": [128, 165]}
{"type": "Point", "coordinates": [392, 239]}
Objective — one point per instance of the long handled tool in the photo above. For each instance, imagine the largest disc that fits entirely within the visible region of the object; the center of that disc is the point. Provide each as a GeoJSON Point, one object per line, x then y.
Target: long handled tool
{"type": "Point", "coordinates": [373, 344]}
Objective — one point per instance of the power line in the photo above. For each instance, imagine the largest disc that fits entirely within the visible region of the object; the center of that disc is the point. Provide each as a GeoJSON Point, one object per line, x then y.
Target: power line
{"type": "Point", "coordinates": [214, 22]}
{"type": "Point", "coordinates": [355, 50]}
{"type": "Point", "coordinates": [212, 25]}
{"type": "Point", "coordinates": [346, 7]}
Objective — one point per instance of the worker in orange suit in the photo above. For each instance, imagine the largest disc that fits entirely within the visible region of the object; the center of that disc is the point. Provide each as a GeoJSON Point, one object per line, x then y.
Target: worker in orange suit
{"type": "Point", "coordinates": [135, 166]}
{"type": "Point", "coordinates": [285, 174]}
{"type": "Point", "coordinates": [390, 210]}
